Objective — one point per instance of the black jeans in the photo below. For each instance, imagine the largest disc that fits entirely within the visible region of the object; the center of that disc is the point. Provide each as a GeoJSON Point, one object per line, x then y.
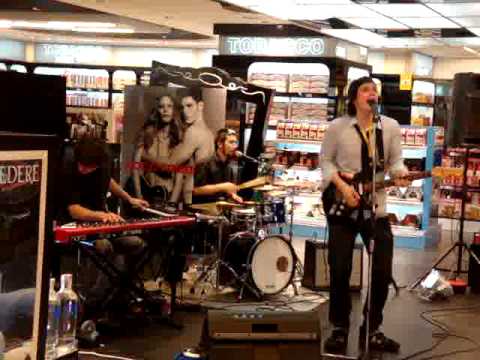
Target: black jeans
{"type": "Point", "coordinates": [341, 242]}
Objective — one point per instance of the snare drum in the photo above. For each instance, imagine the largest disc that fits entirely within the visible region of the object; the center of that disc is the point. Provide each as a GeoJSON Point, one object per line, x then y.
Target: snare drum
{"type": "Point", "coordinates": [269, 264]}
{"type": "Point", "coordinates": [243, 219]}
{"type": "Point", "coordinates": [271, 211]}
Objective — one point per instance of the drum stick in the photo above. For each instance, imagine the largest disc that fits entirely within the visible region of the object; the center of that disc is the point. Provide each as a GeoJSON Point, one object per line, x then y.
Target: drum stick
{"type": "Point", "coordinates": [157, 212]}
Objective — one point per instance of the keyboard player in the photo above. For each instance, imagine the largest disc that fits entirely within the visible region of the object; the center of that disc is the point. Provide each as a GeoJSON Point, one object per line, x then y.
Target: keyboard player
{"type": "Point", "coordinates": [86, 180]}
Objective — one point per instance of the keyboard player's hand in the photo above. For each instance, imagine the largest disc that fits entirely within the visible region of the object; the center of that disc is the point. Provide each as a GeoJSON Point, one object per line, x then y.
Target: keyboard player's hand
{"type": "Point", "coordinates": [139, 203]}
{"type": "Point", "coordinates": [109, 217]}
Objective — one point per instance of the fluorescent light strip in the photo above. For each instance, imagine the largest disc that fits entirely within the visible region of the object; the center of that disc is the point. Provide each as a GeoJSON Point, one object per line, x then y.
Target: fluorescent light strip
{"type": "Point", "coordinates": [5, 24]}
{"type": "Point", "coordinates": [55, 25]}
{"type": "Point", "coordinates": [103, 30]}
{"type": "Point", "coordinates": [83, 24]}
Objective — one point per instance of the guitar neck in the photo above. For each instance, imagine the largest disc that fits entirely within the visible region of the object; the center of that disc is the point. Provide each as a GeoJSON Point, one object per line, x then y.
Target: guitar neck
{"type": "Point", "coordinates": [385, 184]}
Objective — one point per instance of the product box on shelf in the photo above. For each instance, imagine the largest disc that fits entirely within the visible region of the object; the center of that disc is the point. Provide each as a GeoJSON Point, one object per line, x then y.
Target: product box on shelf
{"type": "Point", "coordinates": [450, 208]}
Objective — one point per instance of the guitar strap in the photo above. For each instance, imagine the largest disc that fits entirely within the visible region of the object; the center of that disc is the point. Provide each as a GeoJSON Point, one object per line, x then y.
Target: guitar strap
{"type": "Point", "coordinates": [365, 173]}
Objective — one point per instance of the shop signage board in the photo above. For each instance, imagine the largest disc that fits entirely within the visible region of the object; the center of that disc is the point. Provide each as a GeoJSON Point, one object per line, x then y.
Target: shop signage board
{"type": "Point", "coordinates": [240, 45]}
{"type": "Point", "coordinates": [291, 46]}
{"type": "Point", "coordinates": [73, 54]}
{"type": "Point", "coordinates": [406, 81]}
{"type": "Point", "coordinates": [23, 185]}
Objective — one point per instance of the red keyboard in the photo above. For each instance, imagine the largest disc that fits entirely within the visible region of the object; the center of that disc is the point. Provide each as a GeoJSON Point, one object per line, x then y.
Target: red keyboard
{"type": "Point", "coordinates": [65, 233]}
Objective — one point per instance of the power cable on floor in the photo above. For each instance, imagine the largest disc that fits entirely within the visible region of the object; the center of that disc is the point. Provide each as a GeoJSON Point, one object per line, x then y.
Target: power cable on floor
{"type": "Point", "coordinates": [93, 353]}
{"type": "Point", "coordinates": [445, 334]}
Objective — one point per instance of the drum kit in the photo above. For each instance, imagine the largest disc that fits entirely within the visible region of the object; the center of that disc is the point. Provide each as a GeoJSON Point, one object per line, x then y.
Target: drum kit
{"type": "Point", "coordinates": [256, 256]}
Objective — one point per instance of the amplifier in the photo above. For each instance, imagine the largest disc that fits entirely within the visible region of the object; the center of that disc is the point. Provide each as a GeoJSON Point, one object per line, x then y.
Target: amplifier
{"type": "Point", "coordinates": [264, 335]}
{"type": "Point", "coordinates": [316, 270]}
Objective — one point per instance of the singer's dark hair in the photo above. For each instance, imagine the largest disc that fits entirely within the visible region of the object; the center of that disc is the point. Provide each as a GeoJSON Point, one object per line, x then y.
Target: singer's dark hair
{"type": "Point", "coordinates": [352, 93]}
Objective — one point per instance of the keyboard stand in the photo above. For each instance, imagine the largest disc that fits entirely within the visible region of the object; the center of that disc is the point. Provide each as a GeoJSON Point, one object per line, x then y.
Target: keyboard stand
{"type": "Point", "coordinates": [126, 284]}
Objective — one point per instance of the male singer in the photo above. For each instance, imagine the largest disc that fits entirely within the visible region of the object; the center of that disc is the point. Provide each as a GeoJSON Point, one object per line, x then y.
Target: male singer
{"type": "Point", "coordinates": [347, 150]}
{"type": "Point", "coordinates": [216, 178]}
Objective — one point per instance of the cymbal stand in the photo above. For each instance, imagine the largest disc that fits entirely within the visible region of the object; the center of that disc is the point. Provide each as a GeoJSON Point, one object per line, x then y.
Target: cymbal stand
{"type": "Point", "coordinates": [298, 264]}
{"type": "Point", "coordinates": [215, 266]}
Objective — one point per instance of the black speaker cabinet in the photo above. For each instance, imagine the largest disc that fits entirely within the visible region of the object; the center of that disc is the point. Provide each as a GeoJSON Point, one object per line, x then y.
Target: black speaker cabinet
{"type": "Point", "coordinates": [474, 270]}
{"type": "Point", "coordinates": [464, 124]}
{"type": "Point", "coordinates": [316, 271]}
{"type": "Point", "coordinates": [264, 335]}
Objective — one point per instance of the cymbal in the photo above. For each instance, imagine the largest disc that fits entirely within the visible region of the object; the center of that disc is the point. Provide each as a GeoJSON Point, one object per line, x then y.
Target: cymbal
{"type": "Point", "coordinates": [278, 193]}
{"type": "Point", "coordinates": [267, 187]}
{"type": "Point", "coordinates": [227, 204]}
{"type": "Point", "coordinates": [294, 184]}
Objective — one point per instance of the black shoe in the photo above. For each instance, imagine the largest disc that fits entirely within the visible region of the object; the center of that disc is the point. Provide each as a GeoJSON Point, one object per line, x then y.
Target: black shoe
{"type": "Point", "coordinates": [337, 342]}
{"type": "Point", "coordinates": [379, 342]}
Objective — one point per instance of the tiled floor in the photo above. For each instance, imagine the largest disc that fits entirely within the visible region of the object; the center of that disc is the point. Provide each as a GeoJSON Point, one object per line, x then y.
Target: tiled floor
{"type": "Point", "coordinates": [402, 318]}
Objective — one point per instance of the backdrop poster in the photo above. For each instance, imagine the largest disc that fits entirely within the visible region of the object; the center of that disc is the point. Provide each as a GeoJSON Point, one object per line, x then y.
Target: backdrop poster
{"type": "Point", "coordinates": [168, 131]}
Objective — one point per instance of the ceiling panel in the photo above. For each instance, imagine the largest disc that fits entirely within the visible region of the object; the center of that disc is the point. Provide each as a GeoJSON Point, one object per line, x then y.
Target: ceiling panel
{"type": "Point", "coordinates": [467, 41]}
{"type": "Point", "coordinates": [429, 23]}
{"type": "Point", "coordinates": [403, 10]}
{"type": "Point", "coordinates": [358, 36]}
{"type": "Point", "coordinates": [457, 9]}
{"type": "Point", "coordinates": [468, 21]}
{"type": "Point", "coordinates": [409, 42]}
{"type": "Point", "coordinates": [379, 22]}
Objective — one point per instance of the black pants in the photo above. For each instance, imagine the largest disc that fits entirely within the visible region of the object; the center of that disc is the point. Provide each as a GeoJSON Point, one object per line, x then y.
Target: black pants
{"type": "Point", "coordinates": [341, 242]}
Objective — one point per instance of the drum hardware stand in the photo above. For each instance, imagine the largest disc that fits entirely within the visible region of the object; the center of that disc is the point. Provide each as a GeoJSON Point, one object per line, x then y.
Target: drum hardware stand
{"type": "Point", "coordinates": [298, 264]}
{"type": "Point", "coordinates": [221, 220]}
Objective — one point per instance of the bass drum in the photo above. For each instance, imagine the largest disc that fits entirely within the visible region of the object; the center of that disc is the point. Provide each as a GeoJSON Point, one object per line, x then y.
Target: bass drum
{"type": "Point", "coordinates": [268, 265]}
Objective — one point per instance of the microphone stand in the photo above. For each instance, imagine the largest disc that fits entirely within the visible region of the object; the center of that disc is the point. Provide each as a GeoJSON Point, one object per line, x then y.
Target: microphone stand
{"type": "Point", "coordinates": [371, 241]}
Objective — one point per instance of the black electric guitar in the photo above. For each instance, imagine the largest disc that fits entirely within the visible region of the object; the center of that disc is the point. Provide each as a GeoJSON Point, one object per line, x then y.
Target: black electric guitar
{"type": "Point", "coordinates": [335, 205]}
{"type": "Point", "coordinates": [153, 194]}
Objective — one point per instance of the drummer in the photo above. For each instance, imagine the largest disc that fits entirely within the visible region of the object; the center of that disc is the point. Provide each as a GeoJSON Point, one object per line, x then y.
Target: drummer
{"type": "Point", "coordinates": [216, 179]}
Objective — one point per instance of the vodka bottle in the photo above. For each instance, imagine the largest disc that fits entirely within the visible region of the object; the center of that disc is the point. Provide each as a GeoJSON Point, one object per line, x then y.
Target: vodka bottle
{"type": "Point", "coordinates": [2, 346]}
{"type": "Point", "coordinates": [68, 314]}
{"type": "Point", "coordinates": [53, 323]}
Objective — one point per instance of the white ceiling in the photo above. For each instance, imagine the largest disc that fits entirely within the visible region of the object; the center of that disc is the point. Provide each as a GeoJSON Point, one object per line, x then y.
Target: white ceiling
{"type": "Point", "coordinates": [198, 16]}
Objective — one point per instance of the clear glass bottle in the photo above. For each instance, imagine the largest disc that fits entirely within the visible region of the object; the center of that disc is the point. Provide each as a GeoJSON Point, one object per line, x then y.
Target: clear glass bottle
{"type": "Point", "coordinates": [53, 322]}
{"type": "Point", "coordinates": [68, 315]}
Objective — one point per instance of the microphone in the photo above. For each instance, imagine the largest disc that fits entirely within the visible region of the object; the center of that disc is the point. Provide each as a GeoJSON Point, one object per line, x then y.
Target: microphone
{"type": "Point", "coordinates": [374, 106]}
{"type": "Point", "coordinates": [239, 154]}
